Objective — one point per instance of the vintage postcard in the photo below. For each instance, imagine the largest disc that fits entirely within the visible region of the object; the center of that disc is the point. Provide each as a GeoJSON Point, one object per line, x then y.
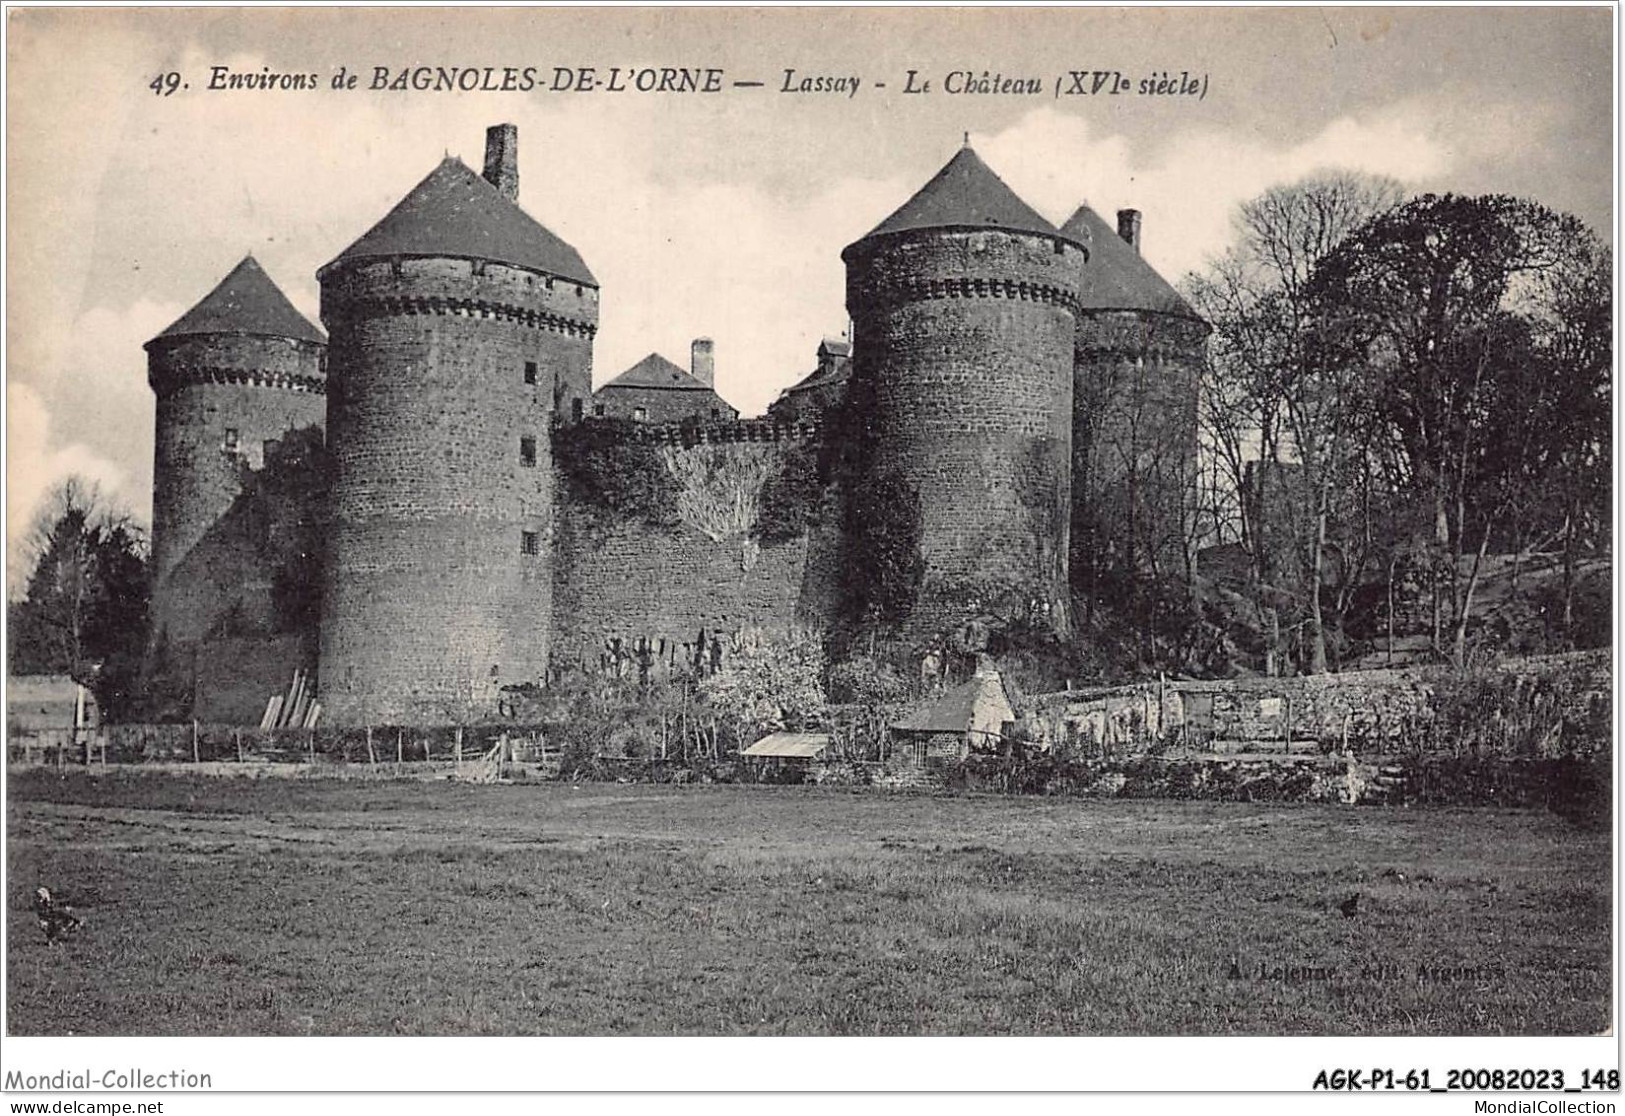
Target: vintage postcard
{"type": "Point", "coordinates": [1085, 523]}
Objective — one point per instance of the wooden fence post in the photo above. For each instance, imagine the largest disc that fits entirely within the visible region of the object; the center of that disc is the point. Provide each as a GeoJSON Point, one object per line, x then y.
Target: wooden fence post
{"type": "Point", "coordinates": [194, 741]}
{"type": "Point", "coordinates": [311, 745]}
{"type": "Point", "coordinates": [400, 753]}
{"type": "Point", "coordinates": [372, 757]}
{"type": "Point", "coordinates": [1289, 723]}
{"type": "Point", "coordinates": [237, 739]}
{"type": "Point", "coordinates": [457, 751]}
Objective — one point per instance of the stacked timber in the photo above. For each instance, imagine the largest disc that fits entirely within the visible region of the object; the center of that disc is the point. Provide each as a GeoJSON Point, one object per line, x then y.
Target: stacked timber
{"type": "Point", "coordinates": [298, 708]}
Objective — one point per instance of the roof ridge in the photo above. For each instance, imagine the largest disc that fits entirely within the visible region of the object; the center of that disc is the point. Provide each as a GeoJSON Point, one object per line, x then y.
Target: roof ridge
{"type": "Point", "coordinates": [647, 372]}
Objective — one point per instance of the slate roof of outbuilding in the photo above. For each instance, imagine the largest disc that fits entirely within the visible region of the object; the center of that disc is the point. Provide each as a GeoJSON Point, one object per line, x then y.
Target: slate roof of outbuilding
{"type": "Point", "coordinates": [954, 710]}
{"type": "Point", "coordinates": [246, 302]}
{"type": "Point", "coordinates": [1117, 276]}
{"type": "Point", "coordinates": [655, 371]}
{"type": "Point", "coordinates": [454, 212]}
{"type": "Point", "coordinates": [964, 194]}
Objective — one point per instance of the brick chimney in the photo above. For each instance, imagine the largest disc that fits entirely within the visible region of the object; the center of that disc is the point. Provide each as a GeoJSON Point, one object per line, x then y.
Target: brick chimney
{"type": "Point", "coordinates": [502, 159]}
{"type": "Point", "coordinates": [1128, 227]}
{"type": "Point", "coordinates": [702, 362]}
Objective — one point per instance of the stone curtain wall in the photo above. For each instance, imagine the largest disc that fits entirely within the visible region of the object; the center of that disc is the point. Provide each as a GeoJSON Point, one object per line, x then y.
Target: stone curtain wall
{"type": "Point", "coordinates": [263, 388]}
{"type": "Point", "coordinates": [964, 344]}
{"type": "Point", "coordinates": [627, 592]}
{"type": "Point", "coordinates": [432, 603]}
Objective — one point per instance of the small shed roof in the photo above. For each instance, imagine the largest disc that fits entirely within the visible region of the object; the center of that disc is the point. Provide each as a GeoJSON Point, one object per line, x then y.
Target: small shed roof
{"type": "Point", "coordinates": [791, 745]}
{"type": "Point", "coordinates": [979, 705]}
{"type": "Point", "coordinates": [43, 701]}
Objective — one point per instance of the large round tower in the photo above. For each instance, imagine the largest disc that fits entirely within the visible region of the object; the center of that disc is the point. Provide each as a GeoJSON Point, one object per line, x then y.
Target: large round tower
{"type": "Point", "coordinates": [240, 369]}
{"type": "Point", "coordinates": [962, 305]}
{"type": "Point", "coordinates": [1137, 366]}
{"type": "Point", "coordinates": [460, 330]}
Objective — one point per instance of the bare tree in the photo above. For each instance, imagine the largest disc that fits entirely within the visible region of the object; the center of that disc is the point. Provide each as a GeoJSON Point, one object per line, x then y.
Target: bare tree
{"type": "Point", "coordinates": [1275, 416]}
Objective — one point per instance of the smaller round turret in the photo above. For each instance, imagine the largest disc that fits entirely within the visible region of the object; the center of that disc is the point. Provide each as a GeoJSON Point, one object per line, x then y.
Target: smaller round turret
{"type": "Point", "coordinates": [240, 369]}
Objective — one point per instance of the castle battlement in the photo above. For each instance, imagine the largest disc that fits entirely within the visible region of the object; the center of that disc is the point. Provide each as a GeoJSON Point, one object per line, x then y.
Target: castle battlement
{"type": "Point", "coordinates": [741, 430]}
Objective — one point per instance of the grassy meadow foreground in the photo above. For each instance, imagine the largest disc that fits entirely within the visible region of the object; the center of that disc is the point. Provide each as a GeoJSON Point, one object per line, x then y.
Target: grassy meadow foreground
{"type": "Point", "coordinates": [271, 906]}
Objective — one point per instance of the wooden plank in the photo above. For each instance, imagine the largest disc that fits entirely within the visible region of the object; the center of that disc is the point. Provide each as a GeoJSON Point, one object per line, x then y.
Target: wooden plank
{"type": "Point", "coordinates": [296, 689]}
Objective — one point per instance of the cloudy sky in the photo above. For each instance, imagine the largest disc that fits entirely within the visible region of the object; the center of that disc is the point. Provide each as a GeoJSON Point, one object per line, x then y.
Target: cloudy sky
{"type": "Point", "coordinates": [721, 215]}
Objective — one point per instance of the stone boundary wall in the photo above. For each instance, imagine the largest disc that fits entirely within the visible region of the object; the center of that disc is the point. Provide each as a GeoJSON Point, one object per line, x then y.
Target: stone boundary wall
{"type": "Point", "coordinates": [1366, 712]}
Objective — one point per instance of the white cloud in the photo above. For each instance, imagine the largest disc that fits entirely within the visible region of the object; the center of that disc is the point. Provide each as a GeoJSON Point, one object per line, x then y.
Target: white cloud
{"type": "Point", "coordinates": [1191, 185]}
{"type": "Point", "coordinates": [36, 463]}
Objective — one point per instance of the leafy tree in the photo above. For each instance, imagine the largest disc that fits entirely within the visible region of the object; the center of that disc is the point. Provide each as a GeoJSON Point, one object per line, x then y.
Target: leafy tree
{"type": "Point", "coordinates": [1449, 308]}
{"type": "Point", "coordinates": [876, 692]}
{"type": "Point", "coordinates": [84, 613]}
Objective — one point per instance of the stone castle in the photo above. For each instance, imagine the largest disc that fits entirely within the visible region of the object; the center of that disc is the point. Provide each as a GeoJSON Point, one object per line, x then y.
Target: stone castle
{"type": "Point", "coordinates": [382, 506]}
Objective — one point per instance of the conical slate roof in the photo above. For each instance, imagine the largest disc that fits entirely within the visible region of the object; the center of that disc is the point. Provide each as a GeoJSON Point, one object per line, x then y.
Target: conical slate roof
{"type": "Point", "coordinates": [655, 371]}
{"type": "Point", "coordinates": [1117, 277]}
{"type": "Point", "coordinates": [455, 212]}
{"type": "Point", "coordinates": [245, 302]}
{"type": "Point", "coordinates": [964, 194]}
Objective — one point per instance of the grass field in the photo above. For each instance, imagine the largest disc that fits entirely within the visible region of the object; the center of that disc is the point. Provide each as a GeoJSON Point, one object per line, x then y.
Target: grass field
{"type": "Point", "coordinates": [271, 906]}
